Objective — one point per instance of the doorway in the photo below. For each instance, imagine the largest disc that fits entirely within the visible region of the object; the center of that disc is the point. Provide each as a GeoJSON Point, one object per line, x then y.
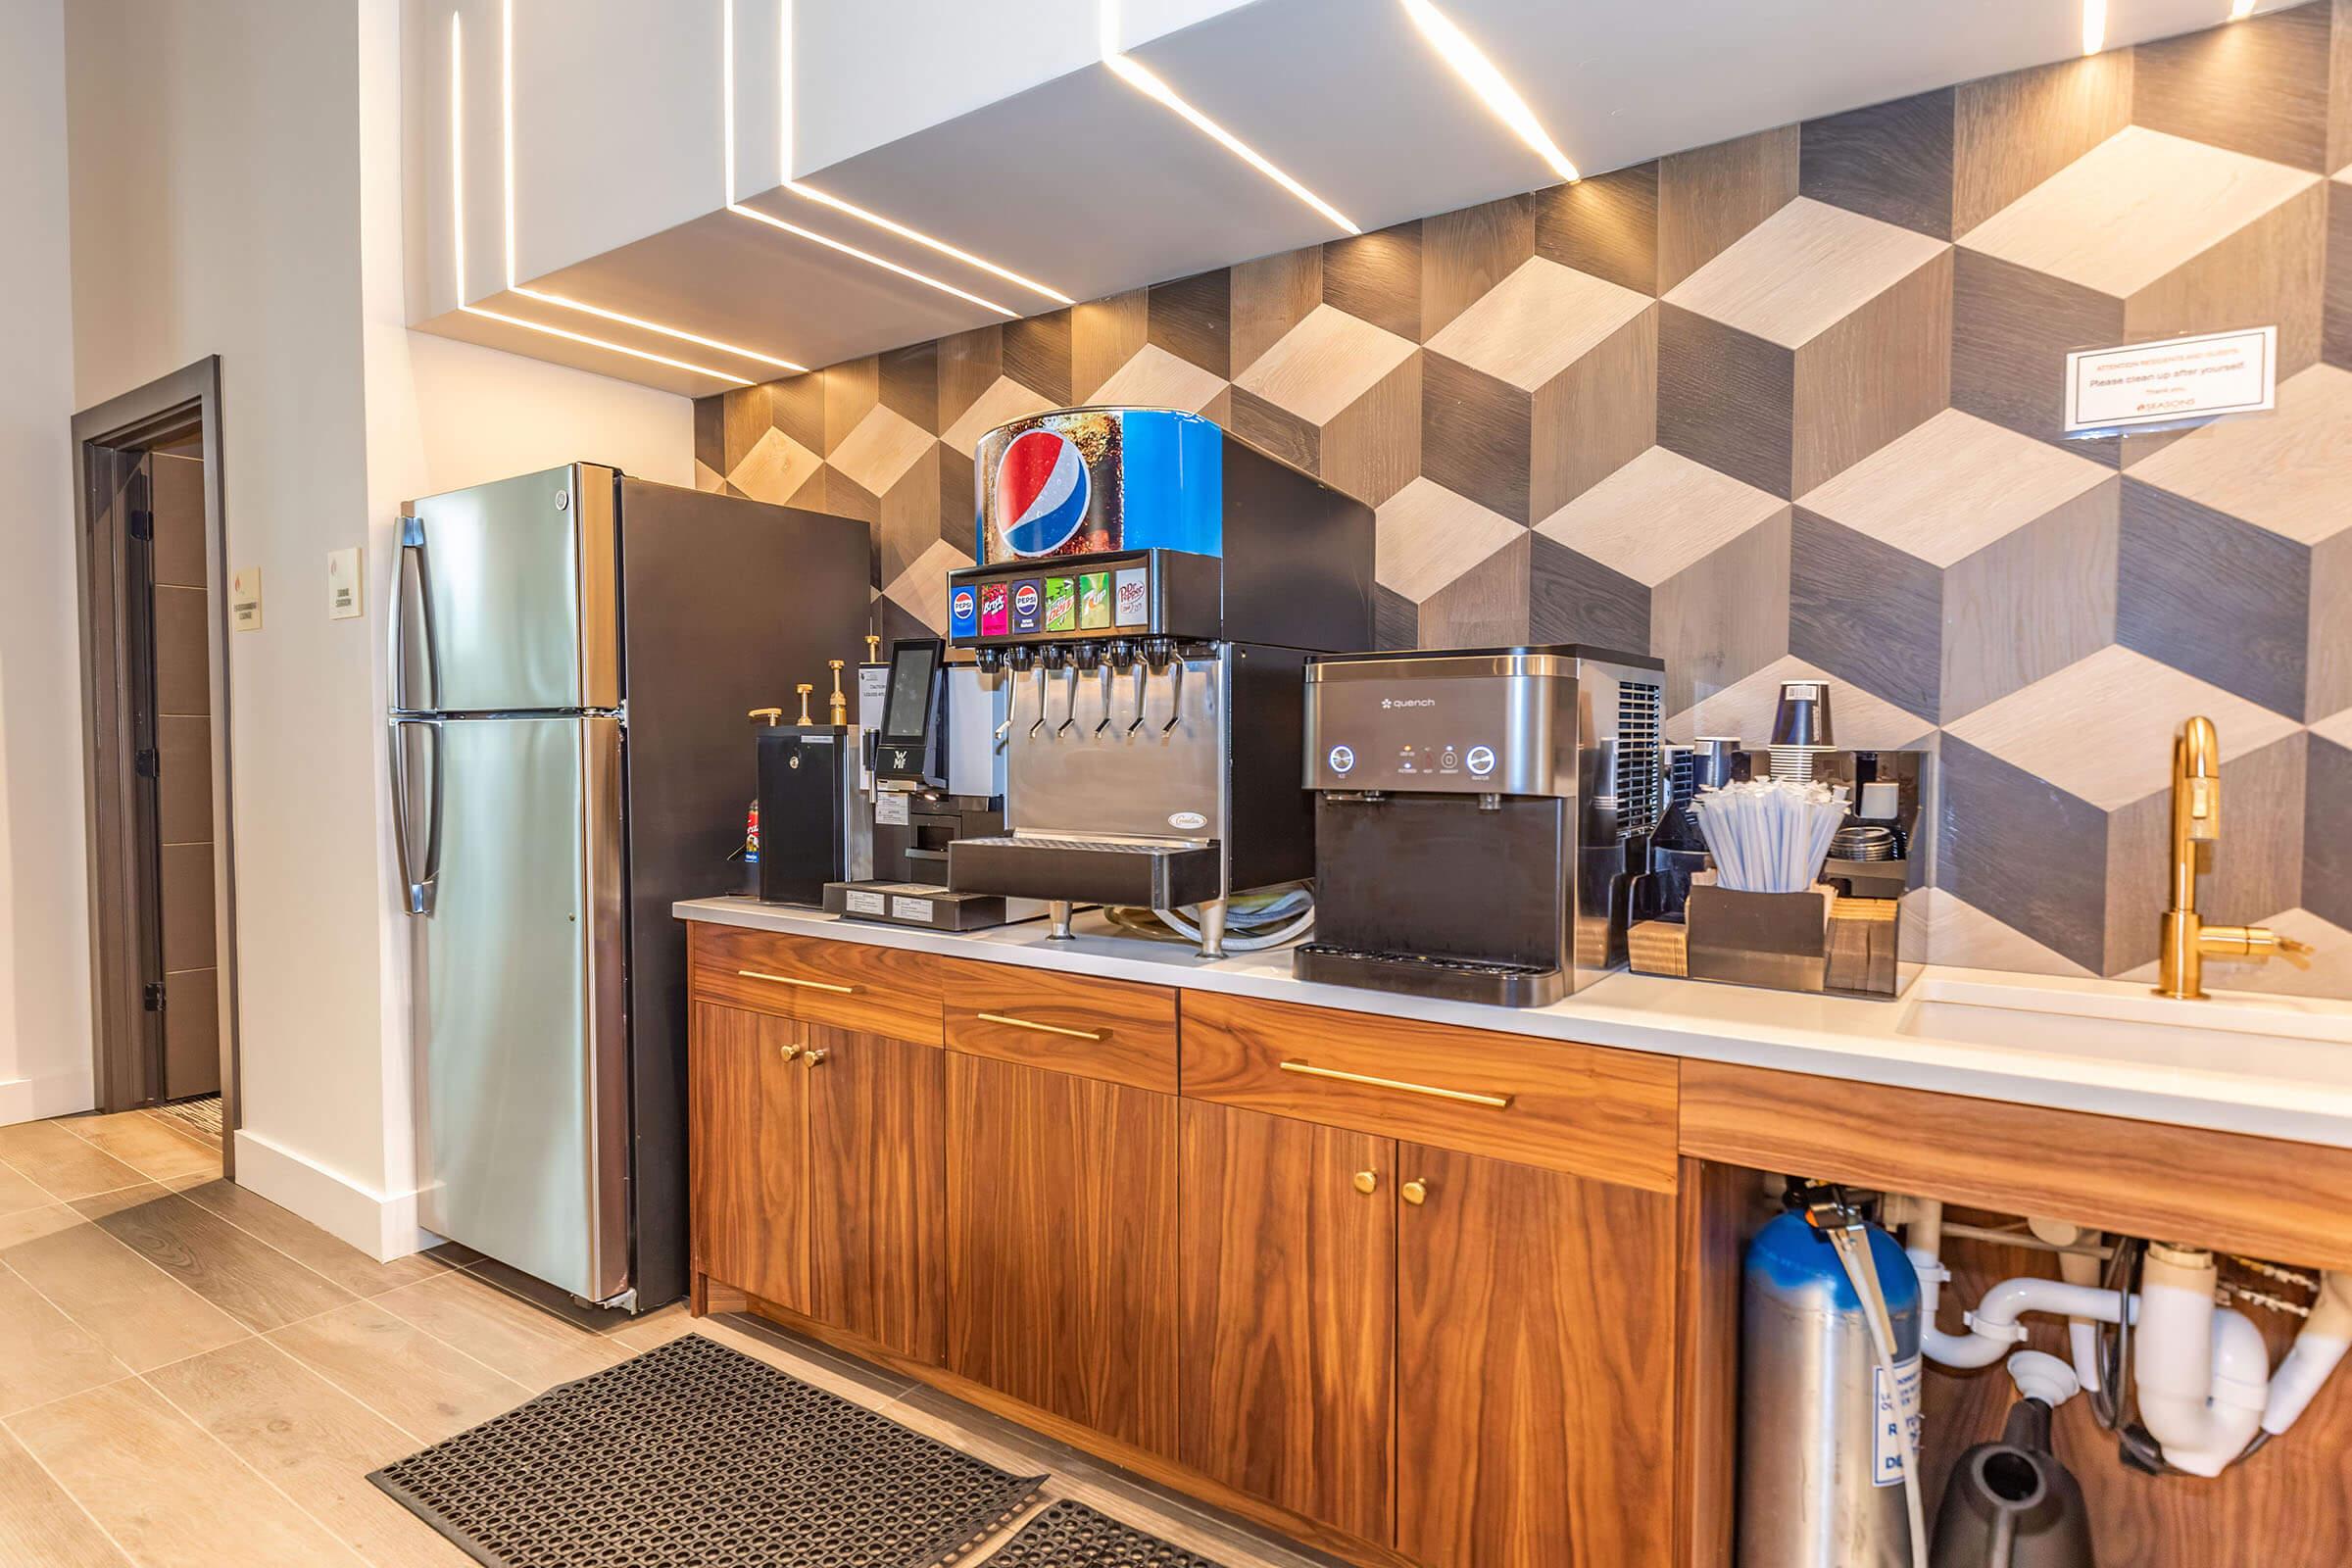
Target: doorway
{"type": "Point", "coordinates": [152, 554]}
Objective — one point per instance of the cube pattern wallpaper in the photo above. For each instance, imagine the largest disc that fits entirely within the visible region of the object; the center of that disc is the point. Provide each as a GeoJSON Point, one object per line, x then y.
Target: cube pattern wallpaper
{"type": "Point", "coordinates": [1789, 406]}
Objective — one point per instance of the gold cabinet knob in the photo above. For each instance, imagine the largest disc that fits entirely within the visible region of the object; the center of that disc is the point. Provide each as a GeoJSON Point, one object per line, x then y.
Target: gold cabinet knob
{"type": "Point", "coordinates": [1415, 1192]}
{"type": "Point", "coordinates": [788, 1052]}
{"type": "Point", "coordinates": [1367, 1182]}
{"type": "Point", "coordinates": [812, 1057]}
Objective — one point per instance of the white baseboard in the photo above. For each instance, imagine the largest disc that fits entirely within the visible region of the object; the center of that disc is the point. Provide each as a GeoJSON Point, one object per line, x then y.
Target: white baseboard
{"type": "Point", "coordinates": [38, 1099]}
{"type": "Point", "coordinates": [383, 1225]}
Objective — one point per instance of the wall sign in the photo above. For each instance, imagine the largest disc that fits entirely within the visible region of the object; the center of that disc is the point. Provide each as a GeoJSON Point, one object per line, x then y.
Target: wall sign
{"type": "Point", "coordinates": [245, 599]}
{"type": "Point", "coordinates": [2171, 383]}
{"type": "Point", "coordinates": [343, 585]}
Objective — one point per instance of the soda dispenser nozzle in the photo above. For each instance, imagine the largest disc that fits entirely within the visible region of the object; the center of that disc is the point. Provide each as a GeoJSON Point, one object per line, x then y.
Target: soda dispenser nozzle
{"type": "Point", "coordinates": [1159, 653]}
{"type": "Point", "coordinates": [1022, 656]}
{"type": "Point", "coordinates": [1122, 655]}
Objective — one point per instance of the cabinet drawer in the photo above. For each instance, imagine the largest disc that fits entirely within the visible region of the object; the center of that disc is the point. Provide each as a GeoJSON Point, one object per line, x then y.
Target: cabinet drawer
{"type": "Point", "coordinates": [1109, 1029]}
{"type": "Point", "coordinates": [1584, 1110]}
{"type": "Point", "coordinates": [850, 985]}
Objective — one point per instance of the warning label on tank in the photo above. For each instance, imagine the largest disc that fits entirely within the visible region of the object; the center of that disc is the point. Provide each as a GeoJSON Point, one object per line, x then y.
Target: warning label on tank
{"type": "Point", "coordinates": [1894, 1432]}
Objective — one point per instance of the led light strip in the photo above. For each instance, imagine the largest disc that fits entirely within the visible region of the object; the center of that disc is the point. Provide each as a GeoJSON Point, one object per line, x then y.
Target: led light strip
{"type": "Point", "coordinates": [2094, 26]}
{"type": "Point", "coordinates": [642, 325]}
{"type": "Point", "coordinates": [1139, 76]}
{"type": "Point", "coordinates": [1484, 78]}
{"type": "Point", "coordinates": [457, 191]}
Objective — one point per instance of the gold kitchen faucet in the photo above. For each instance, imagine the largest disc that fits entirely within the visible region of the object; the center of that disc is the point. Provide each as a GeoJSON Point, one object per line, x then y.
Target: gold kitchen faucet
{"type": "Point", "coordinates": [2198, 819]}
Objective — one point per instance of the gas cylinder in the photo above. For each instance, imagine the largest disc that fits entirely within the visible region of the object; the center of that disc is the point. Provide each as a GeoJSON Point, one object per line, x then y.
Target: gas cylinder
{"type": "Point", "coordinates": [1824, 1434]}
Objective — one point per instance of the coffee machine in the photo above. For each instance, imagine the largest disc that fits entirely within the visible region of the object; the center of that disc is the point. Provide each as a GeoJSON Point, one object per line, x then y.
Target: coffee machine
{"type": "Point", "coordinates": [1149, 590]}
{"type": "Point", "coordinates": [1482, 817]}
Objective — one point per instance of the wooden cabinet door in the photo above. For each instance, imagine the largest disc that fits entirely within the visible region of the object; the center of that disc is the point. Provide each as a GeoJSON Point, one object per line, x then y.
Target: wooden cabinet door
{"type": "Point", "coordinates": [1288, 1283]}
{"type": "Point", "coordinates": [1062, 1244]}
{"type": "Point", "coordinates": [1535, 1367]}
{"type": "Point", "coordinates": [877, 1188]}
{"type": "Point", "coordinates": [746, 1134]}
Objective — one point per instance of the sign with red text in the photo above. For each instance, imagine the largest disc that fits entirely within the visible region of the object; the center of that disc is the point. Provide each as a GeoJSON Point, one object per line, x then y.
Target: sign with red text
{"type": "Point", "coordinates": [2171, 383]}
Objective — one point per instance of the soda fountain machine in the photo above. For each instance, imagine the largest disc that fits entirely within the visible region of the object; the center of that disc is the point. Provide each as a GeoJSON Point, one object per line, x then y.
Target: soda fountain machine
{"type": "Point", "coordinates": [1151, 587]}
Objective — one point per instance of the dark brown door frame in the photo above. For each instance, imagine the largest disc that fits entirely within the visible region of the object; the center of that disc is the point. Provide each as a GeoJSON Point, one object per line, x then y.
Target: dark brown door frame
{"type": "Point", "coordinates": [108, 441]}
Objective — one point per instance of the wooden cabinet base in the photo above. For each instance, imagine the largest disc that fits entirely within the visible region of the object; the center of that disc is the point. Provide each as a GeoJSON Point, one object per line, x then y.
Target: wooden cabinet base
{"type": "Point", "coordinates": [1153, 1467]}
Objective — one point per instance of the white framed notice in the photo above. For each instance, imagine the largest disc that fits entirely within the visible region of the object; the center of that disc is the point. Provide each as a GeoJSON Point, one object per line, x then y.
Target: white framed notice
{"type": "Point", "coordinates": [2171, 383]}
{"type": "Point", "coordinates": [245, 599]}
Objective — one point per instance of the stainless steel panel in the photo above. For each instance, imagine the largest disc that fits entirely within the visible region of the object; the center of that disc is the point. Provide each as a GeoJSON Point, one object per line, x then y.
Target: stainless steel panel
{"type": "Point", "coordinates": [505, 598]}
{"type": "Point", "coordinates": [1090, 769]}
{"type": "Point", "coordinates": [522, 1032]}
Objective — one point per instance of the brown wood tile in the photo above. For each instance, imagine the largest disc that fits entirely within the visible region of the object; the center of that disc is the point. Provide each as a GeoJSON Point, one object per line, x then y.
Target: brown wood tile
{"type": "Point", "coordinates": [1274, 429]}
{"type": "Point", "coordinates": [422, 1383]}
{"type": "Point", "coordinates": [2011, 326]}
{"type": "Point", "coordinates": [167, 1493]}
{"type": "Point", "coordinates": [1104, 334]}
{"type": "Point", "coordinates": [710, 432]}
{"type": "Point", "coordinates": [1475, 435]}
{"type": "Point", "coordinates": [138, 1141]}
{"type": "Point", "coordinates": [2032, 602]}
{"type": "Point", "coordinates": [909, 384]}
{"type": "Point", "coordinates": [1037, 355]}
{"type": "Point", "coordinates": [852, 389]}
{"type": "Point", "coordinates": [1575, 599]}
{"type": "Point", "coordinates": [1880, 371]}
{"type": "Point", "coordinates": [182, 655]}
{"type": "Point", "coordinates": [1726, 399]}
{"type": "Point", "coordinates": [1191, 318]}
{"type": "Point", "coordinates": [2011, 132]}
{"type": "Point", "coordinates": [1466, 251]}
{"type": "Point", "coordinates": [311, 1441]}
{"type": "Point", "coordinates": [61, 1163]}
{"type": "Point", "coordinates": [176, 498]}
{"type": "Point", "coordinates": [1892, 162]}
{"type": "Point", "coordinates": [1372, 448]}
{"type": "Point", "coordinates": [1597, 417]}
{"type": "Point", "coordinates": [1709, 197]}
{"type": "Point", "coordinates": [2207, 594]}
{"type": "Point", "coordinates": [969, 364]}
{"type": "Point", "coordinates": [2031, 857]}
{"type": "Point", "coordinates": [48, 1354]}
{"type": "Point", "coordinates": [1888, 641]}
{"type": "Point", "coordinates": [250, 1280]}
{"type": "Point", "coordinates": [1377, 277]}
{"type": "Point", "coordinates": [1723, 617]}
{"type": "Point", "coordinates": [41, 1524]}
{"type": "Point", "coordinates": [1270, 296]}
{"type": "Point", "coordinates": [2258, 86]}
{"type": "Point", "coordinates": [745, 415]}
{"type": "Point", "coordinates": [337, 1261]}
{"type": "Point", "coordinates": [1487, 606]}
{"type": "Point", "coordinates": [1606, 224]}
{"type": "Point", "coordinates": [2271, 271]}
{"type": "Point", "coordinates": [534, 1347]}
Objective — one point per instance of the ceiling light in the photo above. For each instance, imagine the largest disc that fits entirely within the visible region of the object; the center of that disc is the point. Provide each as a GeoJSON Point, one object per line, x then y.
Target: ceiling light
{"type": "Point", "coordinates": [456, 149]}
{"type": "Point", "coordinates": [867, 256]}
{"type": "Point", "coordinates": [642, 325]}
{"type": "Point", "coordinates": [505, 115]}
{"type": "Point", "coordinates": [602, 343]}
{"type": "Point", "coordinates": [921, 238]}
{"type": "Point", "coordinates": [2094, 26]}
{"type": "Point", "coordinates": [1138, 77]}
{"type": "Point", "coordinates": [2239, 9]}
{"type": "Point", "coordinates": [1470, 63]}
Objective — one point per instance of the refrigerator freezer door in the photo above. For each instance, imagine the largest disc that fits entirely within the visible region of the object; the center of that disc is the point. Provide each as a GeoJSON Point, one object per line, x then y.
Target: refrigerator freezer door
{"type": "Point", "coordinates": [521, 1048]}
{"type": "Point", "coordinates": [505, 598]}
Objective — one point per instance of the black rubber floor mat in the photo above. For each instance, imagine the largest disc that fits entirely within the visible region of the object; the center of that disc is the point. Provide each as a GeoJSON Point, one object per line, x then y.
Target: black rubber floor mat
{"type": "Point", "coordinates": [698, 1457]}
{"type": "Point", "coordinates": [1070, 1534]}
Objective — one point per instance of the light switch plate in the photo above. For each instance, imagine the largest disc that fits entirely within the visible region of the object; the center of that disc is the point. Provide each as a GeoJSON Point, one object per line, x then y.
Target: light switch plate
{"type": "Point", "coordinates": [245, 599]}
{"type": "Point", "coordinates": [343, 601]}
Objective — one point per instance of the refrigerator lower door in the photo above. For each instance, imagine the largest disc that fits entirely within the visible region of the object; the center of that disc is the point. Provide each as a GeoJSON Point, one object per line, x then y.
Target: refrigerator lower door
{"type": "Point", "coordinates": [521, 1000]}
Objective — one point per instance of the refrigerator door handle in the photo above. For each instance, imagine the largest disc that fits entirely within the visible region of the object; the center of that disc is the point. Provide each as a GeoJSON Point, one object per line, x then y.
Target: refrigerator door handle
{"type": "Point", "coordinates": [412, 546]}
{"type": "Point", "coordinates": [417, 892]}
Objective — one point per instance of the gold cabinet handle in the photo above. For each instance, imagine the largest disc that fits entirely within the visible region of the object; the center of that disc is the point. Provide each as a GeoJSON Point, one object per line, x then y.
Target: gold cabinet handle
{"type": "Point", "coordinates": [1463, 1096]}
{"type": "Point", "coordinates": [788, 980]}
{"type": "Point", "coordinates": [1367, 1182]}
{"type": "Point", "coordinates": [788, 1052]}
{"type": "Point", "coordinates": [812, 1058]}
{"type": "Point", "coordinates": [1415, 1192]}
{"type": "Point", "coordinates": [1042, 1028]}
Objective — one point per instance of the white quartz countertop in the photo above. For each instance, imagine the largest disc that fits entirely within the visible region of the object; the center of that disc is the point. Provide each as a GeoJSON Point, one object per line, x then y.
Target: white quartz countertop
{"type": "Point", "coordinates": [2274, 1066]}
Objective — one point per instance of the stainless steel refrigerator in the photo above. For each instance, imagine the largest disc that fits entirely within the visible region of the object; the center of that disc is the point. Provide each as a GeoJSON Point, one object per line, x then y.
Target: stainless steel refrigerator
{"type": "Point", "coordinates": [574, 653]}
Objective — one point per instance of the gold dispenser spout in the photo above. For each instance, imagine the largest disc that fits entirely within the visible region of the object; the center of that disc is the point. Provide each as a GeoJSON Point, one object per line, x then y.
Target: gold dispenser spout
{"type": "Point", "coordinates": [804, 688]}
{"type": "Point", "coordinates": [2186, 940]}
{"type": "Point", "coordinates": [873, 649]}
{"type": "Point", "coordinates": [839, 712]}
{"type": "Point", "coordinates": [770, 716]}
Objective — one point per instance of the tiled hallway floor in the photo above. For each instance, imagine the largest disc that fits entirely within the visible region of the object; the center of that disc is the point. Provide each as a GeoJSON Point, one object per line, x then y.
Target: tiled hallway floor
{"type": "Point", "coordinates": [191, 1376]}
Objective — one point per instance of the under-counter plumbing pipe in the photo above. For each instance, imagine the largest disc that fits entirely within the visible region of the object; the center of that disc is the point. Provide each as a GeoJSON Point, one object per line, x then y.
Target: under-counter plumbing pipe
{"type": "Point", "coordinates": [2203, 1370]}
{"type": "Point", "coordinates": [2075, 1267]}
{"type": "Point", "coordinates": [1993, 1330]}
{"type": "Point", "coordinates": [2318, 1349]}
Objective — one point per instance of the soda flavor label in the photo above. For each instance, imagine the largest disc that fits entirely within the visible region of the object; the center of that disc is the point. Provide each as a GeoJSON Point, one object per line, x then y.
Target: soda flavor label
{"type": "Point", "coordinates": [1094, 601]}
{"type": "Point", "coordinates": [964, 611]}
{"type": "Point", "coordinates": [1133, 604]}
{"type": "Point", "coordinates": [1028, 606]}
{"type": "Point", "coordinates": [996, 612]}
{"type": "Point", "coordinates": [1061, 605]}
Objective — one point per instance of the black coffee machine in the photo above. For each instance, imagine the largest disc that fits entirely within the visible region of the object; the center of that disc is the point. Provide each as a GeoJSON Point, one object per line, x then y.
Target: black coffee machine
{"type": "Point", "coordinates": [1482, 817]}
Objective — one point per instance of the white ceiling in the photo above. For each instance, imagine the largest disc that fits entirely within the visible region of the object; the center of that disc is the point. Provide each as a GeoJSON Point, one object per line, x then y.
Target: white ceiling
{"type": "Point", "coordinates": [1083, 183]}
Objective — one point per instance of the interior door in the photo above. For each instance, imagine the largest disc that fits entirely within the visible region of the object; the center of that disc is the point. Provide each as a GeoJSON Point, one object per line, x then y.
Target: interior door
{"type": "Point", "coordinates": [1535, 1367]}
{"type": "Point", "coordinates": [1289, 1283]}
{"type": "Point", "coordinates": [510, 832]}
{"type": "Point", "coordinates": [877, 1187]}
{"type": "Point", "coordinates": [505, 597]}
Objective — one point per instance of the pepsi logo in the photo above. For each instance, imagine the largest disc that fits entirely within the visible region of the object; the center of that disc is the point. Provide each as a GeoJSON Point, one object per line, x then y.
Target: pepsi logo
{"type": "Point", "coordinates": [1041, 492]}
{"type": "Point", "coordinates": [1024, 599]}
{"type": "Point", "coordinates": [963, 604]}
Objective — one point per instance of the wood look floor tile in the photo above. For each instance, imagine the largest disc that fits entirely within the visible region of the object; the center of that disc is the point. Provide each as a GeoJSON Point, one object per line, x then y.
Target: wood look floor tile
{"type": "Point", "coordinates": [62, 1164]}
{"type": "Point", "coordinates": [535, 1349]}
{"type": "Point", "coordinates": [169, 1494]}
{"type": "Point", "coordinates": [141, 1316]}
{"type": "Point", "coordinates": [547, 1297]}
{"type": "Point", "coordinates": [41, 1524]}
{"type": "Point", "coordinates": [140, 1142]}
{"type": "Point", "coordinates": [310, 1440]}
{"type": "Point", "coordinates": [32, 1224]}
{"type": "Point", "coordinates": [245, 1277]}
{"type": "Point", "coordinates": [19, 1192]}
{"type": "Point", "coordinates": [857, 1382]}
{"type": "Point", "coordinates": [423, 1384]}
{"type": "Point", "coordinates": [45, 1354]}
{"type": "Point", "coordinates": [344, 1264]}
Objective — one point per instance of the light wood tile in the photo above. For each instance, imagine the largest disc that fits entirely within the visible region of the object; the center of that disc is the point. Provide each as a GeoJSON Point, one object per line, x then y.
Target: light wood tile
{"type": "Point", "coordinates": [1958, 933]}
{"type": "Point", "coordinates": [546, 1299]}
{"type": "Point", "coordinates": [346, 1265]}
{"type": "Point", "coordinates": [1801, 271]}
{"type": "Point", "coordinates": [883, 447]}
{"type": "Point", "coordinates": [533, 1347]}
{"type": "Point", "coordinates": [2012, 132]}
{"type": "Point", "coordinates": [47, 1356]}
{"type": "Point", "coordinates": [311, 1441]}
{"type": "Point", "coordinates": [1710, 196]}
{"type": "Point", "coordinates": [171, 1495]}
{"type": "Point", "coordinates": [1324, 363]}
{"type": "Point", "coordinates": [1004, 400]}
{"type": "Point", "coordinates": [2289, 471]}
{"type": "Point", "coordinates": [1658, 515]}
{"type": "Point", "coordinates": [1156, 379]}
{"type": "Point", "coordinates": [19, 1192]}
{"type": "Point", "coordinates": [1727, 616]}
{"type": "Point", "coordinates": [138, 1312]}
{"type": "Point", "coordinates": [245, 1277]}
{"type": "Point", "coordinates": [774, 468]}
{"type": "Point", "coordinates": [41, 1526]}
{"type": "Point", "coordinates": [1537, 322]}
{"type": "Point", "coordinates": [2031, 603]}
{"type": "Point", "coordinates": [61, 1163]}
{"type": "Point", "coordinates": [140, 1142]}
{"type": "Point", "coordinates": [426, 1387]}
{"type": "Point", "coordinates": [2173, 197]}
{"type": "Point", "coordinates": [30, 1224]}
{"type": "Point", "coordinates": [1745, 708]}
{"type": "Point", "coordinates": [1952, 486]}
{"type": "Point", "coordinates": [1270, 296]}
{"type": "Point", "coordinates": [1594, 418]}
{"type": "Point", "coordinates": [1426, 536]}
